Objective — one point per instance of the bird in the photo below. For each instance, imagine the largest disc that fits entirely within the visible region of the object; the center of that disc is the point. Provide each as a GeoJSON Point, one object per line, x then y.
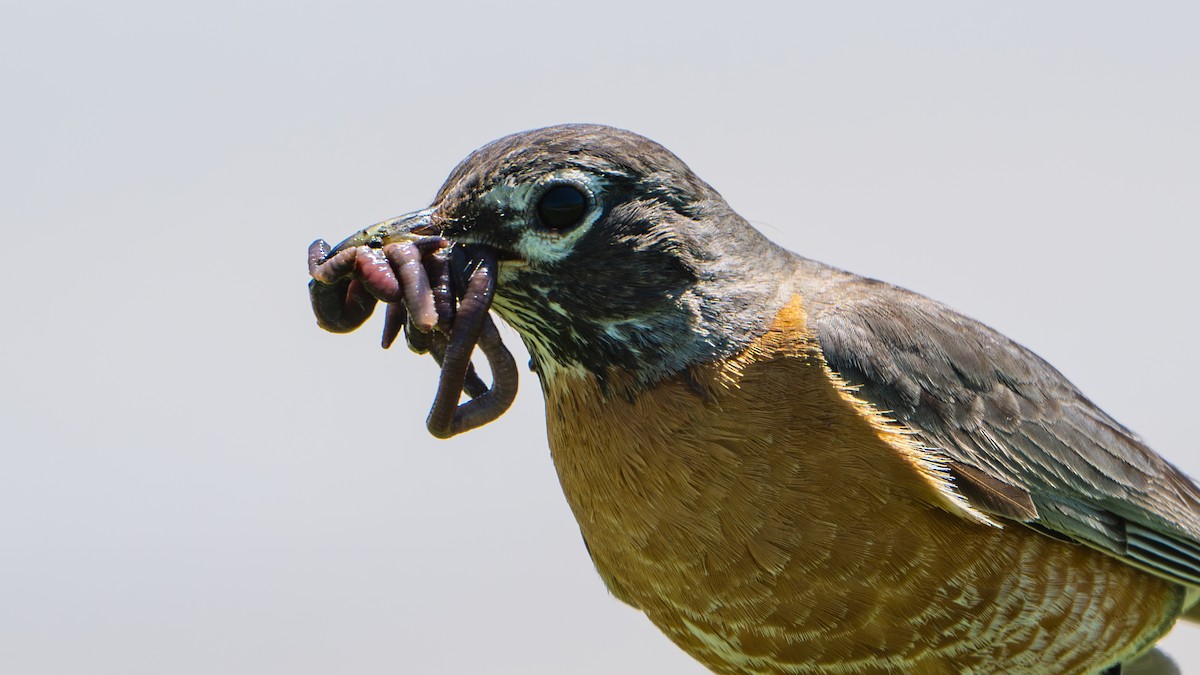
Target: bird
{"type": "Point", "coordinates": [791, 468]}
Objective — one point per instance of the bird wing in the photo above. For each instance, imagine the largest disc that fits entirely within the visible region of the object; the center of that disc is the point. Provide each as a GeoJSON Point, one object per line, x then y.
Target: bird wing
{"type": "Point", "coordinates": [1021, 441]}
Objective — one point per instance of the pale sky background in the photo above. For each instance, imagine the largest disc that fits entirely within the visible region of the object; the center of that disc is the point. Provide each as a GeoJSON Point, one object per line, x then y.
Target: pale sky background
{"type": "Point", "coordinates": [195, 479]}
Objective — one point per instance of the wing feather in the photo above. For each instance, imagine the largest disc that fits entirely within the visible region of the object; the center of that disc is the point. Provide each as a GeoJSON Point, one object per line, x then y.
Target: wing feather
{"type": "Point", "coordinates": [1028, 445]}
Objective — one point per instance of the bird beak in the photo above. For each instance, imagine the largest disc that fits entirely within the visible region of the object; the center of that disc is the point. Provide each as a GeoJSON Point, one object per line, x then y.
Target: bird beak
{"type": "Point", "coordinates": [402, 228]}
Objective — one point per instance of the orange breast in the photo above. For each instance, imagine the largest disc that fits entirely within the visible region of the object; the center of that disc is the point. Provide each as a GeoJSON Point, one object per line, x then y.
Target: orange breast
{"type": "Point", "coordinates": [768, 522]}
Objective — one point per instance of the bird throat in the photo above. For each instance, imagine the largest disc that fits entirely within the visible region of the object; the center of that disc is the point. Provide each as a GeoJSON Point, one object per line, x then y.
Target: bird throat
{"type": "Point", "coordinates": [640, 341]}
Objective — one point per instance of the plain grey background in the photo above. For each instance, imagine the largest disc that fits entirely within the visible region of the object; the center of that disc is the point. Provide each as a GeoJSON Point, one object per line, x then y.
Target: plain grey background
{"type": "Point", "coordinates": [195, 479]}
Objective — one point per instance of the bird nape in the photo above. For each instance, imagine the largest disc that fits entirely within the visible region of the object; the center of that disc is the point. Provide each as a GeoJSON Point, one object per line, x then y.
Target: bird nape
{"type": "Point", "coordinates": [787, 467]}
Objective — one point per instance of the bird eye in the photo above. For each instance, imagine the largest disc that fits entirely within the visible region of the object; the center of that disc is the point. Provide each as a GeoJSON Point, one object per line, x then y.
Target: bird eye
{"type": "Point", "coordinates": [562, 207]}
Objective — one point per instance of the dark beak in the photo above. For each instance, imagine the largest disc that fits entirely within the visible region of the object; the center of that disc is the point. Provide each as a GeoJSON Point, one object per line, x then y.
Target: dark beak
{"type": "Point", "coordinates": [407, 227]}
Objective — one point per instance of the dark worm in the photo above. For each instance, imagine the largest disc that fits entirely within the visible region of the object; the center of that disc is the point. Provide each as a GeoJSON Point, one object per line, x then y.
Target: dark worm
{"type": "Point", "coordinates": [394, 319]}
{"type": "Point", "coordinates": [439, 295]}
{"type": "Point", "coordinates": [472, 326]}
{"type": "Point", "coordinates": [409, 271]}
{"type": "Point", "coordinates": [339, 301]}
{"type": "Point", "coordinates": [495, 401]}
{"type": "Point", "coordinates": [441, 287]}
{"type": "Point", "coordinates": [441, 281]}
{"type": "Point", "coordinates": [438, 264]}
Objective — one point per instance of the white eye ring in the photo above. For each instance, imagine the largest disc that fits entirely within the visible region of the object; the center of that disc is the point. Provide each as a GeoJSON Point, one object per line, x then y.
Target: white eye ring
{"type": "Point", "coordinates": [540, 241]}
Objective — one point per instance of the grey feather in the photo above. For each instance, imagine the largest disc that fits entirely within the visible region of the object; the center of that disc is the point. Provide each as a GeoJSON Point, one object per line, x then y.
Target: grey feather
{"type": "Point", "coordinates": [993, 406]}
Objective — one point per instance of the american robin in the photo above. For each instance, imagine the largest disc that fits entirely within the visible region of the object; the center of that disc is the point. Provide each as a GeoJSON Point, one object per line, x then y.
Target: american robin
{"type": "Point", "coordinates": [793, 469]}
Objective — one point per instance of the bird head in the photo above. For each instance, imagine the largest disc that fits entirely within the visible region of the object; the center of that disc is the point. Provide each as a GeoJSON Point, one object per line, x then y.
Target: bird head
{"type": "Point", "coordinates": [614, 255]}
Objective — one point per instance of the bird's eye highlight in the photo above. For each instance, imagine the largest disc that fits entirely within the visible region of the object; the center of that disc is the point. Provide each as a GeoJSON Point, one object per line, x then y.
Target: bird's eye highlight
{"type": "Point", "coordinates": [561, 207]}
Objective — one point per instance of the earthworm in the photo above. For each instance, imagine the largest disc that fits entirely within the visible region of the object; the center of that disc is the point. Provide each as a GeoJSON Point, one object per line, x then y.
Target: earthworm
{"type": "Point", "coordinates": [472, 326]}
{"type": "Point", "coordinates": [439, 295]}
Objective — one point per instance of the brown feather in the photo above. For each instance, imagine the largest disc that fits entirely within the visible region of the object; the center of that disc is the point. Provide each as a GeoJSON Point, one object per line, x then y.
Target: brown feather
{"type": "Point", "coordinates": [993, 495]}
